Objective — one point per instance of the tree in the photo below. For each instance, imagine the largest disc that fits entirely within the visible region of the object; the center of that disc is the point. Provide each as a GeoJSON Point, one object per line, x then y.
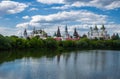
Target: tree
{"type": "Point", "coordinates": [84, 36]}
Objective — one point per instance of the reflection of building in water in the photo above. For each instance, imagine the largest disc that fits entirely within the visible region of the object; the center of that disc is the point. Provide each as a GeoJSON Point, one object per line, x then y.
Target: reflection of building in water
{"type": "Point", "coordinates": [98, 33]}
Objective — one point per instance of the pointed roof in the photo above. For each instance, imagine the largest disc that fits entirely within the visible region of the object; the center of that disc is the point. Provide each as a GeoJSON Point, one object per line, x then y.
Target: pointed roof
{"type": "Point", "coordinates": [91, 28]}
{"type": "Point", "coordinates": [25, 32]}
{"type": "Point", "coordinates": [75, 33]}
{"type": "Point", "coordinates": [103, 27]}
{"type": "Point", "coordinates": [58, 33]}
{"type": "Point", "coordinates": [96, 28]}
{"type": "Point", "coordinates": [66, 29]}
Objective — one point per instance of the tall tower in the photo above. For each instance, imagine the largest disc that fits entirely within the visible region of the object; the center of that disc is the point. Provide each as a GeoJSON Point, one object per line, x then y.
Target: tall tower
{"type": "Point", "coordinates": [66, 32]}
{"type": "Point", "coordinates": [58, 33]}
{"type": "Point", "coordinates": [103, 28]}
{"type": "Point", "coordinates": [96, 28]}
{"type": "Point", "coordinates": [33, 30]}
{"type": "Point", "coordinates": [91, 31]}
{"type": "Point", "coordinates": [96, 33]}
{"type": "Point", "coordinates": [75, 34]}
{"type": "Point", "coordinates": [25, 33]}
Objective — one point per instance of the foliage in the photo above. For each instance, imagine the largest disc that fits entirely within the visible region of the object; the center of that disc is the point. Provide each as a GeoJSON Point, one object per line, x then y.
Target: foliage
{"type": "Point", "coordinates": [14, 42]}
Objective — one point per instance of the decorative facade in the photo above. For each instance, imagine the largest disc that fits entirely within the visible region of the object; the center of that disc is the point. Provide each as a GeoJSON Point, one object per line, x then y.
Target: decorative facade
{"type": "Point", "coordinates": [66, 35]}
{"type": "Point", "coordinates": [39, 33]}
{"type": "Point", "coordinates": [96, 33]}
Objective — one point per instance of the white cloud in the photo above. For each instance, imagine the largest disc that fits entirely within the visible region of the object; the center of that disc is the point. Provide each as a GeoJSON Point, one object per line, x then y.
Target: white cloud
{"type": "Point", "coordinates": [8, 31]}
{"type": "Point", "coordinates": [11, 7]}
{"type": "Point", "coordinates": [23, 25]}
{"type": "Point", "coordinates": [27, 24]}
{"type": "Point", "coordinates": [33, 9]}
{"type": "Point", "coordinates": [102, 4]}
{"type": "Point", "coordinates": [72, 16]}
{"type": "Point", "coordinates": [51, 1]}
{"type": "Point", "coordinates": [62, 7]}
{"type": "Point", "coordinates": [52, 21]}
{"type": "Point", "coordinates": [115, 4]}
{"type": "Point", "coordinates": [26, 17]}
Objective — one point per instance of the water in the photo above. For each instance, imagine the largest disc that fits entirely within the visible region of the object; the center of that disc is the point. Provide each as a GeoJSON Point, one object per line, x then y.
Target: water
{"type": "Point", "coordinates": [92, 64]}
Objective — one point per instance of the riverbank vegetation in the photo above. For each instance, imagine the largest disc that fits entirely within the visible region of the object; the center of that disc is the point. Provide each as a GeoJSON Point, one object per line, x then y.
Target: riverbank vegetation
{"type": "Point", "coordinates": [14, 43]}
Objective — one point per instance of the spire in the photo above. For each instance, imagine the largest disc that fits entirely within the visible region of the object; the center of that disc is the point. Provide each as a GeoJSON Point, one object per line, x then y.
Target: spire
{"type": "Point", "coordinates": [103, 27]}
{"type": "Point", "coordinates": [55, 34]}
{"type": "Point", "coordinates": [58, 33]}
{"type": "Point", "coordinates": [75, 34]}
{"type": "Point", "coordinates": [91, 28]}
{"type": "Point", "coordinates": [66, 30]}
{"type": "Point", "coordinates": [25, 33]}
{"type": "Point", "coordinates": [96, 28]}
{"type": "Point", "coordinates": [34, 30]}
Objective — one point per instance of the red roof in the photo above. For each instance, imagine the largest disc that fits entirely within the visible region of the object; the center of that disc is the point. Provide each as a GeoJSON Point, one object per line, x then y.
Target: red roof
{"type": "Point", "coordinates": [58, 38]}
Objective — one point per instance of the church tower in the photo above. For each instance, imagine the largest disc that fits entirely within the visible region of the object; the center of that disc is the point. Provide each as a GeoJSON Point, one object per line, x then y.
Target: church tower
{"type": "Point", "coordinates": [103, 28]}
{"type": "Point", "coordinates": [66, 32]}
{"type": "Point", "coordinates": [25, 33]}
{"type": "Point", "coordinates": [58, 33]}
{"type": "Point", "coordinates": [75, 34]}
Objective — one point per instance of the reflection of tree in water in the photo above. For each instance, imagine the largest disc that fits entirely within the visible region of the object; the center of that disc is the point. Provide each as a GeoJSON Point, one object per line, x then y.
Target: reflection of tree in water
{"type": "Point", "coordinates": [99, 60]}
{"type": "Point", "coordinates": [6, 56]}
{"type": "Point", "coordinates": [96, 60]}
{"type": "Point", "coordinates": [103, 60]}
{"type": "Point", "coordinates": [75, 57]}
{"type": "Point", "coordinates": [76, 71]}
{"type": "Point", "coordinates": [58, 58]}
{"type": "Point", "coordinates": [67, 56]}
{"type": "Point", "coordinates": [115, 61]}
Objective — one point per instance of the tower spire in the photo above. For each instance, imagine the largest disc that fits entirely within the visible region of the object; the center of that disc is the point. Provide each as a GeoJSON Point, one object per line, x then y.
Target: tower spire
{"type": "Point", "coordinates": [66, 29]}
{"type": "Point", "coordinates": [25, 33]}
{"type": "Point", "coordinates": [58, 33]}
{"type": "Point", "coordinates": [96, 28]}
{"type": "Point", "coordinates": [103, 27]}
{"type": "Point", "coordinates": [75, 34]}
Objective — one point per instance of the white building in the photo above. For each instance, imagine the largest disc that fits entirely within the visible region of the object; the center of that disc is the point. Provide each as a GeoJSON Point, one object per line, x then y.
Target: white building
{"type": "Point", "coordinates": [96, 33]}
{"type": "Point", "coordinates": [39, 33]}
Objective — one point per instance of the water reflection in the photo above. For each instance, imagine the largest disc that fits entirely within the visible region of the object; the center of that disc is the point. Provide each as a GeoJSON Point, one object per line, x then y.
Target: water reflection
{"type": "Point", "coordinates": [93, 64]}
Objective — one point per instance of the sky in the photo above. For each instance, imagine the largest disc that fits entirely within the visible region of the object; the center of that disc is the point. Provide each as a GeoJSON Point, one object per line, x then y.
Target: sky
{"type": "Point", "coordinates": [16, 15]}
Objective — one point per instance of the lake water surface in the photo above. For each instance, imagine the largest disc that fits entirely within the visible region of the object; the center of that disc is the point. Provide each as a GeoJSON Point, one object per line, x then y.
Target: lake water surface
{"type": "Point", "coordinates": [89, 64]}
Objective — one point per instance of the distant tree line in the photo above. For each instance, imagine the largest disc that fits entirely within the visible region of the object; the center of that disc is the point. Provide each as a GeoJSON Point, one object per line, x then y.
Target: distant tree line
{"type": "Point", "coordinates": [14, 42]}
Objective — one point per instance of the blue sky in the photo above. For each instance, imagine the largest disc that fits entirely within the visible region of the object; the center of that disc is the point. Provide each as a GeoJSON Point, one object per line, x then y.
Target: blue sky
{"type": "Point", "coordinates": [16, 15]}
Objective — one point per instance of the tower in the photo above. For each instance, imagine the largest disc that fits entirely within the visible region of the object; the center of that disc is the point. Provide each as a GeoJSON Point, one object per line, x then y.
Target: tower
{"type": "Point", "coordinates": [75, 34]}
{"type": "Point", "coordinates": [66, 32]}
{"type": "Point", "coordinates": [58, 33]}
{"type": "Point", "coordinates": [96, 32]}
{"type": "Point", "coordinates": [103, 28]}
{"type": "Point", "coordinates": [25, 33]}
{"type": "Point", "coordinates": [34, 31]}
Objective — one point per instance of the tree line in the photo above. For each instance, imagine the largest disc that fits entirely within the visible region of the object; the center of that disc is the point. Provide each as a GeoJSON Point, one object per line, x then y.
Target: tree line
{"type": "Point", "coordinates": [14, 43]}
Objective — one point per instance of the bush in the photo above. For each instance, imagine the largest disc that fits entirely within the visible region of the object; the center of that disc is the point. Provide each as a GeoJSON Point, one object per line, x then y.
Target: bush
{"type": "Point", "coordinates": [51, 43]}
